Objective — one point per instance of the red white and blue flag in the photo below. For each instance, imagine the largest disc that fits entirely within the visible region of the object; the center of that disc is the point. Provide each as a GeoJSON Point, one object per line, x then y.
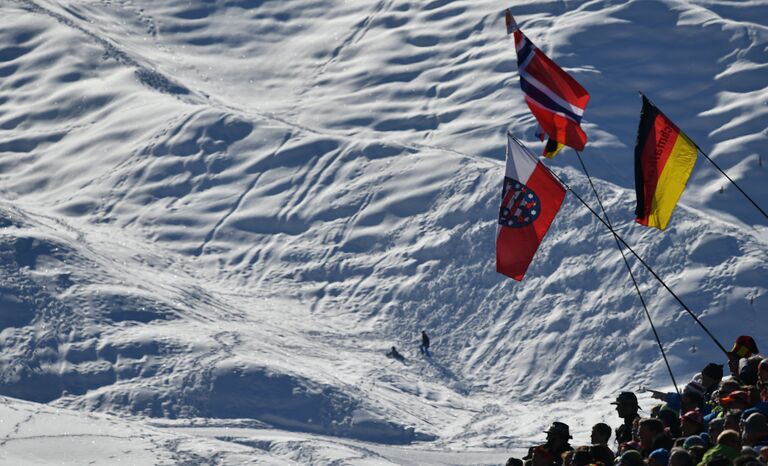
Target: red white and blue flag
{"type": "Point", "coordinates": [554, 97]}
{"type": "Point", "coordinates": [530, 200]}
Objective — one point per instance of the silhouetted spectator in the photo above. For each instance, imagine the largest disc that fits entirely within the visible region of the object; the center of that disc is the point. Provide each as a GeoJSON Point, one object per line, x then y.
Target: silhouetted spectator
{"type": "Point", "coordinates": [601, 434]}
{"type": "Point", "coordinates": [626, 408]}
{"type": "Point", "coordinates": [558, 435]}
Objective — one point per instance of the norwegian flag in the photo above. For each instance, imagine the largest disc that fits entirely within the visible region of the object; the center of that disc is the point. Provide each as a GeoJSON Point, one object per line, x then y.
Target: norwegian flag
{"type": "Point", "coordinates": [554, 97]}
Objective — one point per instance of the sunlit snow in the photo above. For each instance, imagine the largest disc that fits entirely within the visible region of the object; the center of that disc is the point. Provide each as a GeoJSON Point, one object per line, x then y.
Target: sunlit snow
{"type": "Point", "coordinates": [217, 216]}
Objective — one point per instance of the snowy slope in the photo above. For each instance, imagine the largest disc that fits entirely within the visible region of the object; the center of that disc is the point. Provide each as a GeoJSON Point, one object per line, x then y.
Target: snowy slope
{"type": "Point", "coordinates": [223, 213]}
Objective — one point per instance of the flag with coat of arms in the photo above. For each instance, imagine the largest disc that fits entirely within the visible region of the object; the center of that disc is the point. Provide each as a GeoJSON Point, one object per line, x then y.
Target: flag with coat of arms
{"type": "Point", "coordinates": [531, 197]}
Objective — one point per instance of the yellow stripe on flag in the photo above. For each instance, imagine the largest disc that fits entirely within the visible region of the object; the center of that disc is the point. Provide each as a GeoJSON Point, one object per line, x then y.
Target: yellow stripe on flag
{"type": "Point", "coordinates": [672, 181]}
{"type": "Point", "coordinates": [552, 148]}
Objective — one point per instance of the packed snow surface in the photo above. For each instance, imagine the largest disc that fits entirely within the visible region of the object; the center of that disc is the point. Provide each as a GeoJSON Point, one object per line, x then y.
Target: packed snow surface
{"type": "Point", "coordinates": [217, 216]}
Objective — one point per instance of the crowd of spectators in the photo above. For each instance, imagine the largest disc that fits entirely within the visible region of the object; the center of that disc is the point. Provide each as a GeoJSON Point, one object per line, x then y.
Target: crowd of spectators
{"type": "Point", "coordinates": [714, 421]}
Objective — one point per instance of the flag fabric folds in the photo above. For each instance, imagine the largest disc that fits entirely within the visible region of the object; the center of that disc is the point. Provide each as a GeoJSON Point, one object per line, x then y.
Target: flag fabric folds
{"type": "Point", "coordinates": [530, 200]}
{"type": "Point", "coordinates": [664, 159]}
{"type": "Point", "coordinates": [552, 147]}
{"type": "Point", "coordinates": [554, 97]}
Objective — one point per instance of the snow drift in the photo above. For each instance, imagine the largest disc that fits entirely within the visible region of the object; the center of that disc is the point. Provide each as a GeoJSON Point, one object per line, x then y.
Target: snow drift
{"type": "Point", "coordinates": [229, 210]}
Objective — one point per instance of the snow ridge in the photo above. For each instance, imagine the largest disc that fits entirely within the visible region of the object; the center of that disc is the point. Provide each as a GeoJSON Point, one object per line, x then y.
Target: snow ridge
{"type": "Point", "coordinates": [221, 214]}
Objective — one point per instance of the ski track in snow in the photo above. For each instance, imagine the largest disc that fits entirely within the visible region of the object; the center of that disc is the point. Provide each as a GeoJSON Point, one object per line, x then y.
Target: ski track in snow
{"type": "Point", "coordinates": [215, 217]}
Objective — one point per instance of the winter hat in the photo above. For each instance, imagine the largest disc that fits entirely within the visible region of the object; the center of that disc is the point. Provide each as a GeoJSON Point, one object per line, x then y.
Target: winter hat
{"type": "Point", "coordinates": [694, 388]}
{"type": "Point", "coordinates": [661, 455]}
{"type": "Point", "coordinates": [694, 440]}
{"type": "Point", "coordinates": [707, 439]}
{"type": "Point", "coordinates": [713, 371]}
{"type": "Point", "coordinates": [693, 415]}
{"type": "Point", "coordinates": [744, 347]}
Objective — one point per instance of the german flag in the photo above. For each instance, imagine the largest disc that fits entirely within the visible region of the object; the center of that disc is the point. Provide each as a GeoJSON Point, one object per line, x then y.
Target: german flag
{"type": "Point", "coordinates": [664, 159]}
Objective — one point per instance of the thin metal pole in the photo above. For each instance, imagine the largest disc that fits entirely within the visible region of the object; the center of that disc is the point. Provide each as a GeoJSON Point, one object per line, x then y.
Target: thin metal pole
{"type": "Point", "coordinates": [732, 182]}
{"type": "Point", "coordinates": [631, 275]}
{"type": "Point", "coordinates": [645, 264]}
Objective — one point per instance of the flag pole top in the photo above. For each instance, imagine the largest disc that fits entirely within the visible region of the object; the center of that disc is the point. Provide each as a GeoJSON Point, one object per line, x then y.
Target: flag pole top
{"type": "Point", "coordinates": [510, 21]}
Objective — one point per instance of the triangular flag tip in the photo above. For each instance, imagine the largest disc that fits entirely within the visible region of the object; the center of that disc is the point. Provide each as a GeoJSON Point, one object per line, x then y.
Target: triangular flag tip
{"type": "Point", "coordinates": [510, 21]}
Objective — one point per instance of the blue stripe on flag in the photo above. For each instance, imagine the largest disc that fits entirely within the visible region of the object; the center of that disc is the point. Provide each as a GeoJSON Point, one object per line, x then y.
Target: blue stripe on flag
{"type": "Point", "coordinates": [534, 93]}
{"type": "Point", "coordinates": [527, 49]}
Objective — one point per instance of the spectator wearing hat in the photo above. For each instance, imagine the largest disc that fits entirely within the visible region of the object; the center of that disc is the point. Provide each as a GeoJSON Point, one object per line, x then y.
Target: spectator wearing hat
{"type": "Point", "coordinates": [738, 399]}
{"type": "Point", "coordinates": [653, 436]}
{"type": "Point", "coordinates": [744, 347]}
{"type": "Point", "coordinates": [558, 435]}
{"type": "Point", "coordinates": [728, 446]}
{"type": "Point", "coordinates": [694, 441]}
{"type": "Point", "coordinates": [601, 434]}
{"type": "Point", "coordinates": [692, 423]}
{"type": "Point", "coordinates": [627, 409]}
{"type": "Point", "coordinates": [659, 457]}
{"type": "Point", "coordinates": [727, 386]}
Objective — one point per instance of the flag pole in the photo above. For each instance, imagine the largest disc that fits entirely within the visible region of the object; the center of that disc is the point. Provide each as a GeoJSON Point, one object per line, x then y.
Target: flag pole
{"type": "Point", "coordinates": [718, 167]}
{"type": "Point", "coordinates": [631, 275]}
{"type": "Point", "coordinates": [729, 179]}
{"type": "Point", "coordinates": [645, 264]}
{"type": "Point", "coordinates": [640, 259]}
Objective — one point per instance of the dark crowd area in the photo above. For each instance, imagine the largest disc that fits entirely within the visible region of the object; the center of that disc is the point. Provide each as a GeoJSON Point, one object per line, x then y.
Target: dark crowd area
{"type": "Point", "coordinates": [715, 420]}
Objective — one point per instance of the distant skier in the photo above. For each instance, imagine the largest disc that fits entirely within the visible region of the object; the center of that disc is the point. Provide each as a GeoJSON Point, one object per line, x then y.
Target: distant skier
{"type": "Point", "coordinates": [394, 354]}
{"type": "Point", "coordinates": [424, 348]}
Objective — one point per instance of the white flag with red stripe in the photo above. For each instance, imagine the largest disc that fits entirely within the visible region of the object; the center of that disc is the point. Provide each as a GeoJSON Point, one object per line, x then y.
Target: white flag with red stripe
{"type": "Point", "coordinates": [530, 200]}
